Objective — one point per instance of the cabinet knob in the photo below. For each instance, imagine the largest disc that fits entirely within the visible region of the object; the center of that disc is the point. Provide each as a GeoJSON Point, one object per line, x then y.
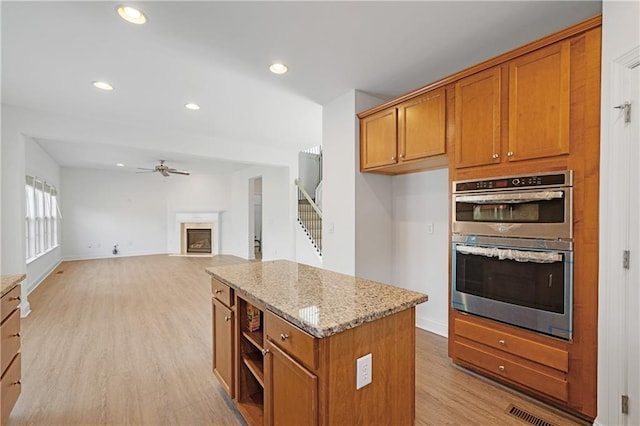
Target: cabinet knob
{"type": "Point", "coordinates": [19, 382]}
{"type": "Point", "coordinates": [495, 156]}
{"type": "Point", "coordinates": [401, 155]}
{"type": "Point", "coordinates": [218, 291]}
{"type": "Point", "coordinates": [502, 342]}
{"type": "Point", "coordinates": [501, 367]}
{"type": "Point", "coordinates": [264, 352]}
{"type": "Point", "coordinates": [393, 158]}
{"type": "Point", "coordinates": [284, 336]}
{"type": "Point", "coordinates": [16, 298]}
{"type": "Point", "coordinates": [510, 154]}
{"type": "Point", "coordinates": [16, 335]}
{"type": "Point", "coordinates": [227, 318]}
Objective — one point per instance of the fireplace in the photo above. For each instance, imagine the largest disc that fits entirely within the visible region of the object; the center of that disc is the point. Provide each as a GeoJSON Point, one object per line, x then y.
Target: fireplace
{"type": "Point", "coordinates": [198, 240]}
{"type": "Point", "coordinates": [205, 228]}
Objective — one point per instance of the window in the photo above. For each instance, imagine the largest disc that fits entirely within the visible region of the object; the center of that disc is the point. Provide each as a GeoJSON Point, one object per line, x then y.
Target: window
{"type": "Point", "coordinates": [41, 217]}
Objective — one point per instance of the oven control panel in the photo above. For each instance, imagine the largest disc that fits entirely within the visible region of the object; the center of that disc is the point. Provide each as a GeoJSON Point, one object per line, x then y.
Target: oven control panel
{"type": "Point", "coordinates": [540, 180]}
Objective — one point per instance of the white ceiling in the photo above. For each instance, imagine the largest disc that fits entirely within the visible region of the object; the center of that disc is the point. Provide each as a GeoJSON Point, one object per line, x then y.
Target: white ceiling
{"type": "Point", "coordinates": [217, 55]}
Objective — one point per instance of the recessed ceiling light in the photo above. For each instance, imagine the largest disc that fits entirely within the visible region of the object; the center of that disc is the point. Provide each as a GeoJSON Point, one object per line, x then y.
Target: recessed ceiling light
{"type": "Point", "coordinates": [192, 106]}
{"type": "Point", "coordinates": [102, 85]}
{"type": "Point", "coordinates": [119, 164]}
{"type": "Point", "coordinates": [278, 68]}
{"type": "Point", "coordinates": [131, 14]}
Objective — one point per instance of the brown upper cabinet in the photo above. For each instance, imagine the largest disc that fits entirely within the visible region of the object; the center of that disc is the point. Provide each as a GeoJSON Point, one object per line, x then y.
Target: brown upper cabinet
{"type": "Point", "coordinates": [394, 140]}
{"type": "Point", "coordinates": [539, 103]}
{"type": "Point", "coordinates": [477, 122]}
{"type": "Point", "coordinates": [536, 104]}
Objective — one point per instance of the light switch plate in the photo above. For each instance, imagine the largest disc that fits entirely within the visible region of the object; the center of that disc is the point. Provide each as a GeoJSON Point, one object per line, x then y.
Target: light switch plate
{"type": "Point", "coordinates": [363, 371]}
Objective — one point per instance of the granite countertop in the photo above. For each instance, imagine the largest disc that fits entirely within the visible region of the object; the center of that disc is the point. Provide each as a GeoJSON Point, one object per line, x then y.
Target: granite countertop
{"type": "Point", "coordinates": [9, 282]}
{"type": "Point", "coordinates": [319, 301]}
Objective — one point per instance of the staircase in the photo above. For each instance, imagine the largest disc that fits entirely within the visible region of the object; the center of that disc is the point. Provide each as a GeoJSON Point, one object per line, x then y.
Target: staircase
{"type": "Point", "coordinates": [310, 218]}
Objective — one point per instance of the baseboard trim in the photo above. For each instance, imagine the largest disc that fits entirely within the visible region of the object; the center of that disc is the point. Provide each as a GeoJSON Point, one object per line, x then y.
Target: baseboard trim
{"type": "Point", "coordinates": [432, 326]}
{"type": "Point", "coordinates": [113, 256]}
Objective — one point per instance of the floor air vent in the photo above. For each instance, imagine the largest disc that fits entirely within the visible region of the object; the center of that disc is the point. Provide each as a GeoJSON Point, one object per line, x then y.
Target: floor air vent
{"type": "Point", "coordinates": [60, 272]}
{"type": "Point", "coordinates": [526, 416]}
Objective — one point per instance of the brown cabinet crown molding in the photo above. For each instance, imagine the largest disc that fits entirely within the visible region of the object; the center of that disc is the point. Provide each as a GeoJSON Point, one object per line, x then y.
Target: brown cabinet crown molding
{"type": "Point", "coordinates": [571, 31]}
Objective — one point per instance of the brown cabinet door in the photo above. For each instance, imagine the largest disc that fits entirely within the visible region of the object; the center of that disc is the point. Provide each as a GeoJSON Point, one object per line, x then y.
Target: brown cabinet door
{"type": "Point", "coordinates": [379, 138]}
{"type": "Point", "coordinates": [291, 391]}
{"type": "Point", "coordinates": [223, 345]}
{"type": "Point", "coordinates": [421, 126]}
{"type": "Point", "coordinates": [539, 103]}
{"type": "Point", "coordinates": [477, 121]}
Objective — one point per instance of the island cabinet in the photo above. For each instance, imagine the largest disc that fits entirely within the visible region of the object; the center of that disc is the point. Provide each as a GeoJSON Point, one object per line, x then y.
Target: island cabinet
{"type": "Point", "coordinates": [515, 111]}
{"type": "Point", "coordinates": [223, 331]}
{"type": "Point", "coordinates": [299, 334]}
{"type": "Point", "coordinates": [10, 360]}
{"type": "Point", "coordinates": [406, 137]}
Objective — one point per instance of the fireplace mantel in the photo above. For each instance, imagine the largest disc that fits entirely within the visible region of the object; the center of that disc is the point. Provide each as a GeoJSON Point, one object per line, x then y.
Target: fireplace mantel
{"type": "Point", "coordinates": [202, 219]}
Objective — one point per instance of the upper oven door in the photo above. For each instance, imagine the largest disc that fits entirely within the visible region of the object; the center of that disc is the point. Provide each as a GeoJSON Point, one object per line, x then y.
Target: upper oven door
{"type": "Point", "coordinates": [534, 213]}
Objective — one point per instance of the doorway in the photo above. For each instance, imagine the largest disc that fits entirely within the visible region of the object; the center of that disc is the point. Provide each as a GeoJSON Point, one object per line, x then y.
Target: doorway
{"type": "Point", "coordinates": [619, 281]}
{"type": "Point", "coordinates": [255, 218]}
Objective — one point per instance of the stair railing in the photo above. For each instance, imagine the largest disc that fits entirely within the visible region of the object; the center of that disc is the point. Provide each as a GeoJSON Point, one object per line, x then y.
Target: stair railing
{"type": "Point", "coordinates": [309, 216]}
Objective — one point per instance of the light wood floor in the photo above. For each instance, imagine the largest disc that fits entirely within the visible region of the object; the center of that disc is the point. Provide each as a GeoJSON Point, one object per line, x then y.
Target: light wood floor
{"type": "Point", "coordinates": [128, 341]}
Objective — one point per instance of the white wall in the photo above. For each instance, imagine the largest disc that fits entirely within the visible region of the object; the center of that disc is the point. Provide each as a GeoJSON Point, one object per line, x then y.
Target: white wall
{"type": "Point", "coordinates": [373, 216]}
{"type": "Point", "coordinates": [351, 214]}
{"type": "Point", "coordinates": [39, 164]}
{"type": "Point", "coordinates": [104, 208]}
{"type": "Point", "coordinates": [421, 260]}
{"type": "Point", "coordinates": [197, 193]}
{"type": "Point", "coordinates": [13, 172]}
{"type": "Point", "coordinates": [136, 211]}
{"type": "Point", "coordinates": [620, 34]}
{"type": "Point", "coordinates": [278, 197]}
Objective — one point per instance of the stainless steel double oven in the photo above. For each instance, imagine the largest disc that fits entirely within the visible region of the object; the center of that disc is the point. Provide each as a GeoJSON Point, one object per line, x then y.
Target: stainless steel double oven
{"type": "Point", "coordinates": [512, 250]}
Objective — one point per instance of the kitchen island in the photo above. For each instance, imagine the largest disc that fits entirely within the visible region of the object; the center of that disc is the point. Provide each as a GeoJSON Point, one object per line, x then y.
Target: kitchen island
{"type": "Point", "coordinates": [295, 344]}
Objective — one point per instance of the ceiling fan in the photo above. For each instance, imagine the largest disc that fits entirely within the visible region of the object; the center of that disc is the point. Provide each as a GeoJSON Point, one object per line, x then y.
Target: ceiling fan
{"type": "Point", "coordinates": [164, 170]}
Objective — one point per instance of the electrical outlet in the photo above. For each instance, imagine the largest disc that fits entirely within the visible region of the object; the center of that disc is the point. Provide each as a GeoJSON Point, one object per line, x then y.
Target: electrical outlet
{"type": "Point", "coordinates": [429, 228]}
{"type": "Point", "coordinates": [363, 371]}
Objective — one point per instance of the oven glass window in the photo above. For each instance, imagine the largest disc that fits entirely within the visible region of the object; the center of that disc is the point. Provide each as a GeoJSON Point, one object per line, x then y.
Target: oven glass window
{"type": "Point", "coordinates": [530, 284]}
{"type": "Point", "coordinates": [538, 211]}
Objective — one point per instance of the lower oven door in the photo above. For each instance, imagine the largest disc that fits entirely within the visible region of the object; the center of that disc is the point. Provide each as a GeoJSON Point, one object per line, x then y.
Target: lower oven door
{"type": "Point", "coordinates": [522, 286]}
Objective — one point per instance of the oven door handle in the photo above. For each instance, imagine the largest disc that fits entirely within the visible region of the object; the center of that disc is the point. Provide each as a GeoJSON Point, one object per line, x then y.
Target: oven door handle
{"type": "Point", "coordinates": [512, 198]}
{"type": "Point", "coordinates": [511, 254]}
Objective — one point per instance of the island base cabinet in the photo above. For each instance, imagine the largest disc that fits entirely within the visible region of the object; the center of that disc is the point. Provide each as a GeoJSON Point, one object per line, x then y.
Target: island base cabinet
{"type": "Point", "coordinates": [292, 390]}
{"type": "Point", "coordinates": [223, 345]}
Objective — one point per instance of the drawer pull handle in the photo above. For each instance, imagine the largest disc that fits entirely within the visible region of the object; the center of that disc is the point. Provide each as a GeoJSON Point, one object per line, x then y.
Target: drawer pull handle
{"type": "Point", "coordinates": [284, 336]}
{"type": "Point", "coordinates": [501, 367]}
{"type": "Point", "coordinates": [227, 317]}
{"type": "Point", "coordinates": [264, 352]}
{"type": "Point", "coordinates": [218, 291]}
{"type": "Point", "coordinates": [502, 342]}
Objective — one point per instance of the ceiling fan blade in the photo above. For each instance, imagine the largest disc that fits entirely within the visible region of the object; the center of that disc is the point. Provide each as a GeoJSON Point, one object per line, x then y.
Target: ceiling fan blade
{"type": "Point", "coordinates": [144, 168]}
{"type": "Point", "coordinates": [180, 172]}
{"type": "Point", "coordinates": [147, 171]}
{"type": "Point", "coordinates": [164, 172]}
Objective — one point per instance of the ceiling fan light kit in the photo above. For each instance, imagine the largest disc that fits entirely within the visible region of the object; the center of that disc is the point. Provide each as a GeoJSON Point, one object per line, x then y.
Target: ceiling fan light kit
{"type": "Point", "coordinates": [164, 170]}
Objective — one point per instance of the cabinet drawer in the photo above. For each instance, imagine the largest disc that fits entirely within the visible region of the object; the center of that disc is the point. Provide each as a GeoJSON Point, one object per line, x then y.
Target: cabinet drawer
{"type": "Point", "coordinates": [10, 388]}
{"type": "Point", "coordinates": [292, 340]}
{"type": "Point", "coordinates": [222, 292]}
{"type": "Point", "coordinates": [533, 351]}
{"type": "Point", "coordinates": [513, 371]}
{"type": "Point", "coordinates": [10, 331]}
{"type": "Point", "coordinates": [9, 302]}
